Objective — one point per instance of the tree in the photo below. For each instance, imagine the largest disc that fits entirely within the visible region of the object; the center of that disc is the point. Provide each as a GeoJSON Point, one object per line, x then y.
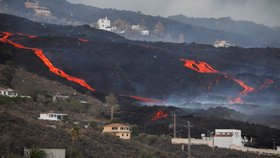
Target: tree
{"type": "Point", "coordinates": [181, 38]}
{"type": "Point", "coordinates": [35, 153]}
{"type": "Point", "coordinates": [112, 102]}
{"type": "Point", "coordinates": [159, 28]}
{"type": "Point", "coordinates": [74, 132]}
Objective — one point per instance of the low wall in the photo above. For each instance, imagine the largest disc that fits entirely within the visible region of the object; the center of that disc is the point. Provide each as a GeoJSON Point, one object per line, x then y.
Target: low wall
{"type": "Point", "coordinates": [193, 141]}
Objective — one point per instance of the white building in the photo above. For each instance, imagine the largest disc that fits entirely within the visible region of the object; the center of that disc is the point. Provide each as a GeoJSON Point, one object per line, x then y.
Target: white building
{"type": "Point", "coordinates": [42, 11]}
{"type": "Point", "coordinates": [222, 43]}
{"type": "Point", "coordinates": [278, 148]}
{"type": "Point", "coordinates": [145, 32]}
{"type": "Point", "coordinates": [51, 116]}
{"type": "Point", "coordinates": [104, 23]}
{"type": "Point", "coordinates": [31, 5]}
{"type": "Point", "coordinates": [8, 92]}
{"type": "Point", "coordinates": [226, 138]}
{"type": "Point", "coordinates": [60, 98]}
{"type": "Point", "coordinates": [136, 27]}
{"type": "Point", "coordinates": [50, 153]}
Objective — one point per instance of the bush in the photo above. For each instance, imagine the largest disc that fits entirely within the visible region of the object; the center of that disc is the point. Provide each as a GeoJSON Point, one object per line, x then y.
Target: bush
{"type": "Point", "coordinates": [75, 153]}
{"type": "Point", "coordinates": [145, 154]}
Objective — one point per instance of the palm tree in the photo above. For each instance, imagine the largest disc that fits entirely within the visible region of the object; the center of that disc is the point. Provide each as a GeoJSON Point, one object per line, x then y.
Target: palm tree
{"type": "Point", "coordinates": [74, 132]}
{"type": "Point", "coordinates": [35, 152]}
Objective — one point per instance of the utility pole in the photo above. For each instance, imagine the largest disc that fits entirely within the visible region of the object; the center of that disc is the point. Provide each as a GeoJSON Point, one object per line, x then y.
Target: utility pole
{"type": "Point", "coordinates": [189, 139]}
{"type": "Point", "coordinates": [112, 113]}
{"type": "Point", "coordinates": [145, 127]}
{"type": "Point", "coordinates": [174, 126]}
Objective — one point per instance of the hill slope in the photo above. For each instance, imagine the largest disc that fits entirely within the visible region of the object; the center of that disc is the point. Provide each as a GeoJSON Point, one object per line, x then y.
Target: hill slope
{"type": "Point", "coordinates": [66, 13]}
{"type": "Point", "coordinates": [108, 63]}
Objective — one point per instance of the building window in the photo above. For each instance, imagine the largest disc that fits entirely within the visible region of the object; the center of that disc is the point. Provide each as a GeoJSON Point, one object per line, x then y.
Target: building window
{"type": "Point", "coordinates": [126, 134]}
{"type": "Point", "coordinates": [122, 135]}
{"type": "Point", "coordinates": [114, 128]}
{"type": "Point", "coordinates": [121, 128]}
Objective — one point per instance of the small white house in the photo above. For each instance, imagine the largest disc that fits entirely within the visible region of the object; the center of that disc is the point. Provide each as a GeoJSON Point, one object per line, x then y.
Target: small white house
{"type": "Point", "coordinates": [145, 32]}
{"type": "Point", "coordinates": [60, 98]}
{"type": "Point", "coordinates": [42, 11]}
{"type": "Point", "coordinates": [51, 116]}
{"type": "Point", "coordinates": [8, 92]}
{"type": "Point", "coordinates": [225, 138]}
{"type": "Point", "coordinates": [50, 153]}
{"type": "Point", "coordinates": [104, 23]}
{"type": "Point", "coordinates": [222, 43]}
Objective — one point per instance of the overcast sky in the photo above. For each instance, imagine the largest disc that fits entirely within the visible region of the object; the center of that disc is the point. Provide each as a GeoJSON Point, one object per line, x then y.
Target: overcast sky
{"type": "Point", "coordinates": [260, 11]}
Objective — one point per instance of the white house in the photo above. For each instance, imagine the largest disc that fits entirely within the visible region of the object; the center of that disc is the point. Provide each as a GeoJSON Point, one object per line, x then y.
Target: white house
{"type": "Point", "coordinates": [60, 98]}
{"type": "Point", "coordinates": [222, 43]}
{"type": "Point", "coordinates": [104, 23]}
{"type": "Point", "coordinates": [225, 138]}
{"type": "Point", "coordinates": [42, 11]}
{"type": "Point", "coordinates": [145, 32]}
{"type": "Point", "coordinates": [31, 5]}
{"type": "Point", "coordinates": [8, 92]}
{"type": "Point", "coordinates": [51, 116]}
{"type": "Point", "coordinates": [50, 153]}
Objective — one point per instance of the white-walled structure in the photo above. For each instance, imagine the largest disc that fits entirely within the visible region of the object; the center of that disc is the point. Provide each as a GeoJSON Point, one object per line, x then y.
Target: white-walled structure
{"type": "Point", "coordinates": [145, 32]}
{"type": "Point", "coordinates": [42, 11]}
{"type": "Point", "coordinates": [31, 5]}
{"type": "Point", "coordinates": [208, 142]}
{"type": "Point", "coordinates": [51, 116]}
{"type": "Point", "coordinates": [104, 23]}
{"type": "Point", "coordinates": [222, 43]}
{"type": "Point", "coordinates": [225, 138]}
{"type": "Point", "coordinates": [60, 98]}
{"type": "Point", "coordinates": [278, 148]}
{"type": "Point", "coordinates": [8, 92]}
{"type": "Point", "coordinates": [50, 153]}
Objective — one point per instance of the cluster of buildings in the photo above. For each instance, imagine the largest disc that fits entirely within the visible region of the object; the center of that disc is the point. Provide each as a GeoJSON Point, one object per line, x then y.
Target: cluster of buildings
{"type": "Point", "coordinates": [39, 10]}
{"type": "Point", "coordinates": [105, 24]}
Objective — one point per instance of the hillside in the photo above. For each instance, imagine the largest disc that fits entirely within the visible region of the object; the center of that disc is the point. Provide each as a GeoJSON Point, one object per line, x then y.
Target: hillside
{"type": "Point", "coordinates": [21, 128]}
{"type": "Point", "coordinates": [67, 13]}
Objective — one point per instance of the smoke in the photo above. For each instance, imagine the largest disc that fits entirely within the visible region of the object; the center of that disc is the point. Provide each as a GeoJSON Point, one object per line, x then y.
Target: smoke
{"type": "Point", "coordinates": [260, 11]}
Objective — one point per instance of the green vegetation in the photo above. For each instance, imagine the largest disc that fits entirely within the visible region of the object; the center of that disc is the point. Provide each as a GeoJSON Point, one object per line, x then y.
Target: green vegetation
{"type": "Point", "coordinates": [7, 74]}
{"type": "Point", "coordinates": [12, 100]}
{"type": "Point", "coordinates": [145, 154]}
{"type": "Point", "coordinates": [35, 153]}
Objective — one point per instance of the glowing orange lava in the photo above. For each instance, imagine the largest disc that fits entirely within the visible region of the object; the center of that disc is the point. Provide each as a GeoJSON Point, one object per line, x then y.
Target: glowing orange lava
{"type": "Point", "coordinates": [266, 84]}
{"type": "Point", "coordinates": [203, 67]}
{"type": "Point", "coordinates": [199, 66]}
{"type": "Point", "coordinates": [237, 100]}
{"type": "Point", "coordinates": [83, 40]}
{"type": "Point", "coordinates": [145, 100]}
{"type": "Point", "coordinates": [159, 115]}
{"type": "Point", "coordinates": [44, 59]}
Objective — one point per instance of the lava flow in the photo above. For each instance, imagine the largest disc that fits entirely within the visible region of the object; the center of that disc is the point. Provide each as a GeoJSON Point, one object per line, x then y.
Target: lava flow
{"type": "Point", "coordinates": [199, 66]}
{"type": "Point", "coordinates": [39, 53]}
{"type": "Point", "coordinates": [159, 115]}
{"type": "Point", "coordinates": [203, 67]}
{"type": "Point", "coordinates": [145, 100]}
{"type": "Point", "coordinates": [83, 40]}
{"type": "Point", "coordinates": [266, 84]}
